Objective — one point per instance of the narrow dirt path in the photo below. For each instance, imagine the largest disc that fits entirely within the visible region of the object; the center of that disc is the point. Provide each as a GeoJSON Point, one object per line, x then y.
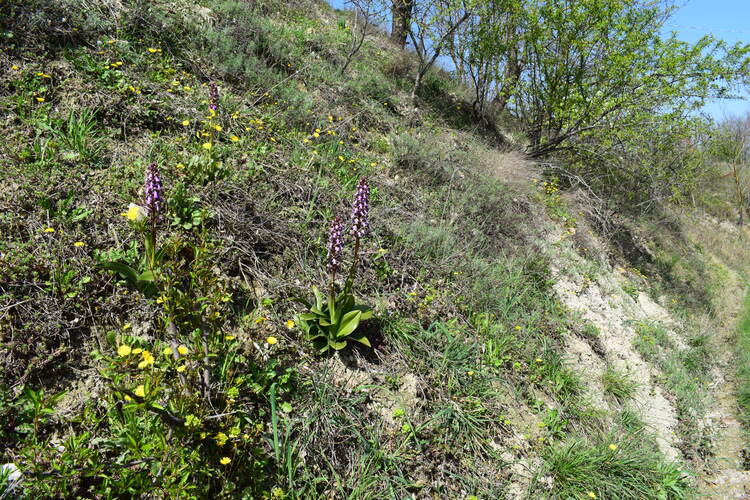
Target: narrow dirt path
{"type": "Point", "coordinates": [726, 478]}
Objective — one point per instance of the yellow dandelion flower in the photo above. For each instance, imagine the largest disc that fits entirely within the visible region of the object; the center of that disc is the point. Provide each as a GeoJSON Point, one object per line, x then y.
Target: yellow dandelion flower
{"type": "Point", "coordinates": [185, 122]}
{"type": "Point", "coordinates": [49, 229]}
{"type": "Point", "coordinates": [271, 340]}
{"type": "Point", "coordinates": [43, 75]}
{"type": "Point", "coordinates": [180, 165]}
{"type": "Point", "coordinates": [40, 99]}
{"type": "Point", "coordinates": [148, 359]}
{"type": "Point", "coordinates": [126, 326]}
{"type": "Point", "coordinates": [290, 324]}
{"type": "Point", "coordinates": [592, 494]}
{"type": "Point", "coordinates": [140, 391]}
{"type": "Point", "coordinates": [124, 350]}
{"type": "Point", "coordinates": [128, 398]}
{"type": "Point", "coordinates": [207, 145]}
{"type": "Point", "coordinates": [234, 138]}
{"type": "Point", "coordinates": [182, 350]}
{"type": "Point", "coordinates": [518, 327]}
{"type": "Point", "coordinates": [181, 368]}
{"type": "Point", "coordinates": [613, 447]}
{"type": "Point", "coordinates": [167, 351]}
{"type": "Point", "coordinates": [153, 50]}
{"type": "Point", "coordinates": [137, 350]}
{"type": "Point", "coordinates": [217, 128]}
{"type": "Point", "coordinates": [79, 244]}
{"type": "Point", "coordinates": [470, 373]}
{"type": "Point", "coordinates": [538, 360]}
{"type": "Point", "coordinates": [225, 460]}
{"type": "Point", "coordinates": [135, 212]}
{"type": "Point", "coordinates": [316, 135]}
{"type": "Point", "coordinates": [14, 67]}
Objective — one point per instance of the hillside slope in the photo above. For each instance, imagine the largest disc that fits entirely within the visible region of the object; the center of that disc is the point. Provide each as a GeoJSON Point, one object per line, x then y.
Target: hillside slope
{"type": "Point", "coordinates": [517, 347]}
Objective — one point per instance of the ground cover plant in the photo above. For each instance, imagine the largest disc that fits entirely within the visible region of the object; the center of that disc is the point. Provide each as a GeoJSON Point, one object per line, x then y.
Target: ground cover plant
{"type": "Point", "coordinates": [237, 261]}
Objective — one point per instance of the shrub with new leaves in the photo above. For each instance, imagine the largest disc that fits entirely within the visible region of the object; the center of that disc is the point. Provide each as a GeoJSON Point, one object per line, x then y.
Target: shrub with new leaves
{"type": "Point", "coordinates": [332, 321]}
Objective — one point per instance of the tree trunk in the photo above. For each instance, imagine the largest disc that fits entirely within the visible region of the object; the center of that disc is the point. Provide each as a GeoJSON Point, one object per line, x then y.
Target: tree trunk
{"type": "Point", "coordinates": [401, 13]}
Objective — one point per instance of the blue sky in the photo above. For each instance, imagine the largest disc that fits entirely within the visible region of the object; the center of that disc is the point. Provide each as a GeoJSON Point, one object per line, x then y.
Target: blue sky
{"type": "Point", "coordinates": [725, 19]}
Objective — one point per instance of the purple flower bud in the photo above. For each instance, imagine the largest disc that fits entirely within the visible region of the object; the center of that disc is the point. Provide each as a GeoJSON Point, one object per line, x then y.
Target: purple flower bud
{"type": "Point", "coordinates": [213, 96]}
{"type": "Point", "coordinates": [154, 193]}
{"type": "Point", "coordinates": [360, 210]}
{"type": "Point", "coordinates": [335, 244]}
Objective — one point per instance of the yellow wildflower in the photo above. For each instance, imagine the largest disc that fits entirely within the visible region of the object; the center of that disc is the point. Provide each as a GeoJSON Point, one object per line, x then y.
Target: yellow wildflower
{"type": "Point", "coordinates": [186, 122]}
{"type": "Point", "coordinates": [229, 337]}
{"type": "Point", "coordinates": [592, 494]}
{"type": "Point", "coordinates": [225, 460]}
{"type": "Point", "coordinates": [123, 350]}
{"type": "Point", "coordinates": [316, 135]}
{"type": "Point", "coordinates": [40, 99]}
{"type": "Point", "coordinates": [182, 350]}
{"type": "Point", "coordinates": [207, 145]}
{"type": "Point", "coordinates": [135, 212]}
{"type": "Point", "coordinates": [271, 340]}
{"type": "Point", "coordinates": [49, 229]}
{"type": "Point", "coordinates": [181, 368]}
{"type": "Point", "coordinates": [538, 360]}
{"type": "Point", "coordinates": [234, 138]}
{"type": "Point", "coordinates": [167, 351]}
{"type": "Point", "coordinates": [79, 244]}
{"type": "Point", "coordinates": [43, 75]}
{"type": "Point", "coordinates": [140, 391]}
{"type": "Point", "coordinates": [14, 67]}
{"type": "Point", "coordinates": [221, 439]}
{"type": "Point", "coordinates": [126, 326]}
{"type": "Point", "coordinates": [290, 324]}
{"type": "Point", "coordinates": [148, 359]}
{"type": "Point", "coordinates": [613, 447]}
{"type": "Point", "coordinates": [137, 350]}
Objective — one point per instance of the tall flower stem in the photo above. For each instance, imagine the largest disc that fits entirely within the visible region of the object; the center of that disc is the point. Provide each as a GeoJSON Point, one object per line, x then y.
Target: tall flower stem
{"type": "Point", "coordinates": [360, 226]}
{"type": "Point", "coordinates": [335, 247]}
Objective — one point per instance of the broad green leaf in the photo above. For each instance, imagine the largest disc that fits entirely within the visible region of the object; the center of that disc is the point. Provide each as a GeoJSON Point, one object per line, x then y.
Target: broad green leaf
{"type": "Point", "coordinates": [124, 270]}
{"type": "Point", "coordinates": [337, 345]}
{"type": "Point", "coordinates": [348, 324]}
